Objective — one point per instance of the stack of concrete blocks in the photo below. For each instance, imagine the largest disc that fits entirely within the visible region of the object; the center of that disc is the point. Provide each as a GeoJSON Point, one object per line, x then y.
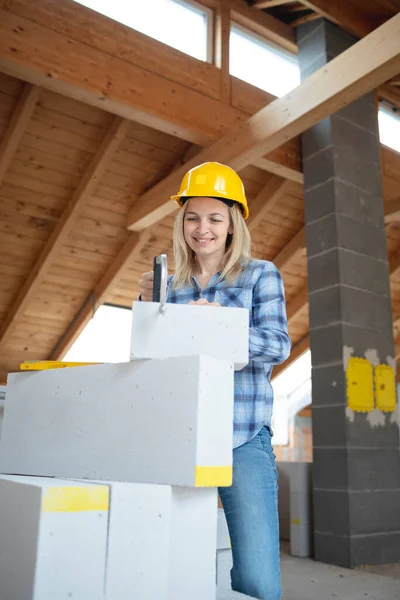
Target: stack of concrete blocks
{"type": "Point", "coordinates": [112, 470]}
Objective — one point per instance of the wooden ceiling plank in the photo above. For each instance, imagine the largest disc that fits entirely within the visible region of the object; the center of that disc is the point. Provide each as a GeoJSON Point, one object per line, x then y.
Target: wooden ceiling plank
{"type": "Point", "coordinates": [265, 200]}
{"type": "Point", "coordinates": [344, 14]}
{"type": "Point", "coordinates": [65, 224]}
{"type": "Point", "coordinates": [17, 126]}
{"type": "Point", "coordinates": [103, 289]}
{"type": "Point", "coordinates": [361, 68]}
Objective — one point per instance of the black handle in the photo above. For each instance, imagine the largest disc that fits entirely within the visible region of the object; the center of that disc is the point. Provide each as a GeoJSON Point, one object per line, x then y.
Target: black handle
{"type": "Point", "coordinates": [157, 280]}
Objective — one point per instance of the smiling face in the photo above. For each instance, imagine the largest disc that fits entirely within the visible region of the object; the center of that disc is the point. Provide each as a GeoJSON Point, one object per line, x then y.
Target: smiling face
{"type": "Point", "coordinates": [206, 226]}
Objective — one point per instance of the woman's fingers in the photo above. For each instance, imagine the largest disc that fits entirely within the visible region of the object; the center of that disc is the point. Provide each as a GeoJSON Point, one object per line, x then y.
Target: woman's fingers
{"type": "Point", "coordinates": [146, 286]}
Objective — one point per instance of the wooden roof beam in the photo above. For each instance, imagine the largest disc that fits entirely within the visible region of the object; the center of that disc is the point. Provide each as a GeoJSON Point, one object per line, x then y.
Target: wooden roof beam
{"type": "Point", "coordinates": [358, 70]}
{"type": "Point", "coordinates": [17, 126]}
{"type": "Point", "coordinates": [261, 4]}
{"type": "Point", "coordinates": [65, 224]}
{"type": "Point", "coordinates": [110, 279]}
{"type": "Point", "coordinates": [181, 105]}
{"type": "Point", "coordinates": [344, 14]}
{"type": "Point", "coordinates": [389, 94]}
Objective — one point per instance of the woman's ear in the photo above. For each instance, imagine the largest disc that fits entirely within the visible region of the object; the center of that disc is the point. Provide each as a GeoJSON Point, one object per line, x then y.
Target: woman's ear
{"type": "Point", "coordinates": [230, 230]}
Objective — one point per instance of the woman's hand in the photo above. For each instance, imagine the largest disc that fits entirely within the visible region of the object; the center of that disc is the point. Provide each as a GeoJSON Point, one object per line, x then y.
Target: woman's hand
{"type": "Point", "coordinates": [204, 302]}
{"type": "Point", "coordinates": [146, 286]}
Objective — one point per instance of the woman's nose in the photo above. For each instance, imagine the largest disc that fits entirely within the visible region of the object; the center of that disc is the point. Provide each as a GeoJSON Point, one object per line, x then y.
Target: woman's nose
{"type": "Point", "coordinates": [202, 227]}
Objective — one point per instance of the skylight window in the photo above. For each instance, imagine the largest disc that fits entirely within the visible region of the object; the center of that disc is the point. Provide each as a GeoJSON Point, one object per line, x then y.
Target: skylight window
{"type": "Point", "coordinates": [261, 63]}
{"type": "Point", "coordinates": [389, 127]}
{"type": "Point", "coordinates": [185, 26]}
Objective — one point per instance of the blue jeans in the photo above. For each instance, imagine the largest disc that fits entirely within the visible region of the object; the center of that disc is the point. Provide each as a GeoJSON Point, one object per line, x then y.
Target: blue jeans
{"type": "Point", "coordinates": [251, 510]}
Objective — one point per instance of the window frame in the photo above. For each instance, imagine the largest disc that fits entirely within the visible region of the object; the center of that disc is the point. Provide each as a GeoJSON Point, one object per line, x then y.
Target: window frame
{"type": "Point", "coordinates": [210, 17]}
{"type": "Point", "coordinates": [264, 41]}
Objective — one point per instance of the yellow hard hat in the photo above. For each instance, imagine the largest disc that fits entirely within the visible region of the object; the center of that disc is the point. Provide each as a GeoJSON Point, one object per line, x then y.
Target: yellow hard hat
{"type": "Point", "coordinates": [213, 180]}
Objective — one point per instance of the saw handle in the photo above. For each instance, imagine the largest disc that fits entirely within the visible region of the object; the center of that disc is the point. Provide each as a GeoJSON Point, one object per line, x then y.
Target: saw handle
{"type": "Point", "coordinates": [160, 280]}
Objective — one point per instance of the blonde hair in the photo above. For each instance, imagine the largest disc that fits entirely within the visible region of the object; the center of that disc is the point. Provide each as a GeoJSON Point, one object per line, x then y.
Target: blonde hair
{"type": "Point", "coordinates": [237, 254]}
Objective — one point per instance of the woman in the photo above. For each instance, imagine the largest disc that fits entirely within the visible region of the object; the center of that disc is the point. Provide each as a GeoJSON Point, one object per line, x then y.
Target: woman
{"type": "Point", "coordinates": [213, 267]}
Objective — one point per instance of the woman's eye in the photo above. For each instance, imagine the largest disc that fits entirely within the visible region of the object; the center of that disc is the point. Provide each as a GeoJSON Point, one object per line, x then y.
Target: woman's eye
{"type": "Point", "coordinates": [216, 221]}
{"type": "Point", "coordinates": [190, 218]}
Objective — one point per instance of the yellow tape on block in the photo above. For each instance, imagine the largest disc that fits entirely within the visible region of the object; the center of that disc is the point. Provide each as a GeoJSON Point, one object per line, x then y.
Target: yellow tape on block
{"type": "Point", "coordinates": [360, 385]}
{"type": "Point", "coordinates": [295, 521]}
{"type": "Point", "coordinates": [385, 388]}
{"type": "Point", "coordinates": [44, 365]}
{"type": "Point", "coordinates": [213, 476]}
{"type": "Point", "coordinates": [75, 498]}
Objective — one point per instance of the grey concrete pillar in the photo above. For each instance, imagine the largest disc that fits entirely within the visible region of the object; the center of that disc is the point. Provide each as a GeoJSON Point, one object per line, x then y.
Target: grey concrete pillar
{"type": "Point", "coordinates": [356, 472]}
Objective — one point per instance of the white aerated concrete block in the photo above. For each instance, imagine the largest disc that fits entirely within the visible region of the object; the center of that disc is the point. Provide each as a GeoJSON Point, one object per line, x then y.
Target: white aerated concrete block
{"type": "Point", "coordinates": [184, 330]}
{"type": "Point", "coordinates": [53, 539]}
{"type": "Point", "coordinates": [223, 538]}
{"type": "Point", "coordinates": [161, 543]}
{"type": "Point", "coordinates": [161, 421]}
{"type": "Point", "coordinates": [224, 566]}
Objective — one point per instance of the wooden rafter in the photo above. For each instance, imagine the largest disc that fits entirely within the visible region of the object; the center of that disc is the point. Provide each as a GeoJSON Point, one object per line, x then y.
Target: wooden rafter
{"type": "Point", "coordinates": [263, 23]}
{"type": "Point", "coordinates": [392, 210]}
{"type": "Point", "coordinates": [297, 243]}
{"type": "Point", "coordinates": [305, 19]}
{"type": "Point", "coordinates": [344, 14]}
{"type": "Point", "coordinates": [17, 125]}
{"type": "Point", "coordinates": [389, 94]}
{"type": "Point", "coordinates": [265, 200]}
{"type": "Point", "coordinates": [222, 22]}
{"type": "Point", "coordinates": [296, 306]}
{"type": "Point", "coordinates": [352, 74]}
{"type": "Point", "coordinates": [186, 106]}
{"type": "Point", "coordinates": [80, 198]}
{"type": "Point", "coordinates": [98, 296]}
{"type": "Point", "coordinates": [261, 4]}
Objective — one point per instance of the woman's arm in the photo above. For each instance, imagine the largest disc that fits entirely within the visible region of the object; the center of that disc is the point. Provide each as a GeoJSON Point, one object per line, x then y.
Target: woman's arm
{"type": "Point", "coordinates": [268, 336]}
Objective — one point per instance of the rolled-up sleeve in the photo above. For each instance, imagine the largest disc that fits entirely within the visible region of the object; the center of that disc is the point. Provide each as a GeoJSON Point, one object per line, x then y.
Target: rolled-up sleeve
{"type": "Point", "coordinates": [268, 336]}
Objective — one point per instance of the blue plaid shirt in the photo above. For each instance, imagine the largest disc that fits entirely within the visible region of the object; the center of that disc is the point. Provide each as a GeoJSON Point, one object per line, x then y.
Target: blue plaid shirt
{"type": "Point", "coordinates": [258, 288]}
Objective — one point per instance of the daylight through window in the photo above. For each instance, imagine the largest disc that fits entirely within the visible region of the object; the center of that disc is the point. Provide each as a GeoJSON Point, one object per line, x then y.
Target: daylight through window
{"type": "Point", "coordinates": [185, 26]}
